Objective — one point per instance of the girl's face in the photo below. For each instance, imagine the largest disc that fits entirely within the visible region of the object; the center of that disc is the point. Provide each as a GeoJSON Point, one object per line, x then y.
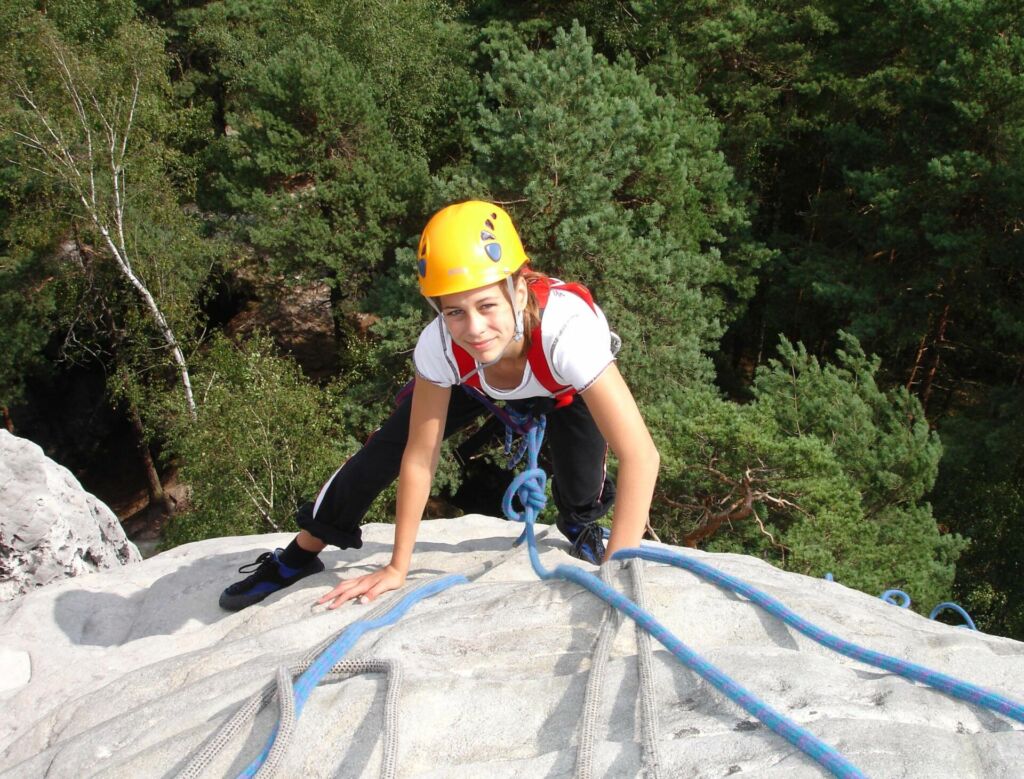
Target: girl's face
{"type": "Point", "coordinates": [482, 321]}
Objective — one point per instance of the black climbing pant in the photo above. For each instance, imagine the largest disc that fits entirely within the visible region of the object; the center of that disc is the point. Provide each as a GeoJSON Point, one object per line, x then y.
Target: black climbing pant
{"type": "Point", "coordinates": [575, 448]}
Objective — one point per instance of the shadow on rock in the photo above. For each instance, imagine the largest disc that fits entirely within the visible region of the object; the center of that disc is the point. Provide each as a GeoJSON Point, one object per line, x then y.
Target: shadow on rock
{"type": "Point", "coordinates": [186, 599]}
{"type": "Point", "coordinates": [178, 602]}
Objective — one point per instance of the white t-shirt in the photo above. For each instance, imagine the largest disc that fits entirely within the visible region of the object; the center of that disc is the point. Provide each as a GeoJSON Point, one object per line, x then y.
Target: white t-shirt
{"type": "Point", "coordinates": [576, 341]}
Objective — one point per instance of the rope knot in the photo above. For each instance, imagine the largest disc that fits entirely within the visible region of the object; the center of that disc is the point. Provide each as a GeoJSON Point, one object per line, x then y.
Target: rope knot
{"type": "Point", "coordinates": [530, 485]}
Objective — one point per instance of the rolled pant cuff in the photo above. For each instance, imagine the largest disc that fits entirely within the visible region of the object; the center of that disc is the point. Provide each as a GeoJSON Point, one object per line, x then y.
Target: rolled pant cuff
{"type": "Point", "coordinates": [329, 534]}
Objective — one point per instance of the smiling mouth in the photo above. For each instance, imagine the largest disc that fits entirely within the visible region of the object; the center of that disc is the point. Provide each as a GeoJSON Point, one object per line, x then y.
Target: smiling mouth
{"type": "Point", "coordinates": [481, 345]}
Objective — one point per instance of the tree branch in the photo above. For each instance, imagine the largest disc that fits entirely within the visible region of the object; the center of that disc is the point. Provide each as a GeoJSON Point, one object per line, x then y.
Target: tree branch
{"type": "Point", "coordinates": [737, 503]}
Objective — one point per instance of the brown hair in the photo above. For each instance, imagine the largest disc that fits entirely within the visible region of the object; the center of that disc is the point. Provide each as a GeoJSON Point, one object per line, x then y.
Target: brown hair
{"type": "Point", "coordinates": [531, 316]}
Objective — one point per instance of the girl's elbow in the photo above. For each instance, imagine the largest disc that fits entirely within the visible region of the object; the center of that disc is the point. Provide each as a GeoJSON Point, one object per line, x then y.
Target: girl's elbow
{"type": "Point", "coordinates": [644, 456]}
{"type": "Point", "coordinates": [654, 458]}
{"type": "Point", "coordinates": [419, 459]}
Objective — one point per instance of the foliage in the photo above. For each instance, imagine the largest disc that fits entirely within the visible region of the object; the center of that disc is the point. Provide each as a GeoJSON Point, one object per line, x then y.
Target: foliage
{"type": "Point", "coordinates": [981, 492]}
{"type": "Point", "coordinates": [25, 318]}
{"type": "Point", "coordinates": [405, 50]}
{"type": "Point", "coordinates": [86, 124]}
{"type": "Point", "coordinates": [886, 153]}
{"type": "Point", "coordinates": [715, 172]}
{"type": "Point", "coordinates": [324, 116]}
{"type": "Point", "coordinates": [883, 444]}
{"type": "Point", "coordinates": [840, 467]}
{"type": "Point", "coordinates": [263, 441]}
{"type": "Point", "coordinates": [885, 149]}
{"type": "Point", "coordinates": [882, 437]}
{"type": "Point", "coordinates": [311, 169]}
{"type": "Point", "coordinates": [615, 185]}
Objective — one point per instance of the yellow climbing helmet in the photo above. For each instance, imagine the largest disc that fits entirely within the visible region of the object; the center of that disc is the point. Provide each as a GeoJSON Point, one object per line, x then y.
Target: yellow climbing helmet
{"type": "Point", "coordinates": [465, 246]}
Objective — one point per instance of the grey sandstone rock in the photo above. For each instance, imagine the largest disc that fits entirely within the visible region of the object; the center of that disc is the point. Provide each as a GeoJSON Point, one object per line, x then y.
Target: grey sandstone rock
{"type": "Point", "coordinates": [133, 670]}
{"type": "Point", "coordinates": [50, 528]}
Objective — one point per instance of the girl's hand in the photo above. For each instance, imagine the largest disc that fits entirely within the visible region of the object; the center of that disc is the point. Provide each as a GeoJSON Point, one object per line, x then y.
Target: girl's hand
{"type": "Point", "coordinates": [366, 587]}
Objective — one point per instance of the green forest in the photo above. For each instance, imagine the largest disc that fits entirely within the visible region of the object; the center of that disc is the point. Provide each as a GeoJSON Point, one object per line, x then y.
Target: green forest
{"type": "Point", "coordinates": [805, 218]}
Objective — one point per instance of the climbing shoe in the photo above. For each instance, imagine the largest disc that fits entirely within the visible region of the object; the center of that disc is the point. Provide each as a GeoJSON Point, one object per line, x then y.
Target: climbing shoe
{"type": "Point", "coordinates": [587, 540]}
{"type": "Point", "coordinates": [268, 575]}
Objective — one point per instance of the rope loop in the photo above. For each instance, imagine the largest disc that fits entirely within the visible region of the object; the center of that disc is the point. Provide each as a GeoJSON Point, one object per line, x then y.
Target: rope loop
{"type": "Point", "coordinates": [530, 485]}
{"type": "Point", "coordinates": [901, 599]}
{"type": "Point", "coordinates": [514, 457]}
{"type": "Point", "coordinates": [896, 598]}
{"type": "Point", "coordinates": [947, 606]}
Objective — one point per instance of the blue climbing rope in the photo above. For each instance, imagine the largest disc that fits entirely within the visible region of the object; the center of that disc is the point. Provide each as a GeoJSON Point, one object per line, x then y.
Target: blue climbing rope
{"type": "Point", "coordinates": [529, 487]}
{"type": "Point", "coordinates": [896, 598]}
{"type": "Point", "coordinates": [341, 646]}
{"type": "Point", "coordinates": [948, 684]}
{"type": "Point", "coordinates": [902, 600]}
{"type": "Point", "coordinates": [947, 606]}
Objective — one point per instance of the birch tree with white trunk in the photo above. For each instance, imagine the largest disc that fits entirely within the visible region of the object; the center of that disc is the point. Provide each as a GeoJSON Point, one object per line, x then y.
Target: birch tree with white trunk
{"type": "Point", "coordinates": [89, 155]}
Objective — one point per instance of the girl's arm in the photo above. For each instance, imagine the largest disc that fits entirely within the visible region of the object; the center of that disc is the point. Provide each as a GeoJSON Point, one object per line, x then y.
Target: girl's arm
{"type": "Point", "coordinates": [618, 418]}
{"type": "Point", "coordinates": [419, 462]}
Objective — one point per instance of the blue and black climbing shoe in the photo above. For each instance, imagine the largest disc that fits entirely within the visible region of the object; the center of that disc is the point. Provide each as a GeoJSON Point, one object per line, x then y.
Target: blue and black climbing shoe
{"type": "Point", "coordinates": [268, 575]}
{"type": "Point", "coordinates": [587, 540]}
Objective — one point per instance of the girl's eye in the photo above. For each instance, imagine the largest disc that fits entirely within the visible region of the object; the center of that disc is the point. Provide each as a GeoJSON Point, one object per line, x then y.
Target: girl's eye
{"type": "Point", "coordinates": [452, 313]}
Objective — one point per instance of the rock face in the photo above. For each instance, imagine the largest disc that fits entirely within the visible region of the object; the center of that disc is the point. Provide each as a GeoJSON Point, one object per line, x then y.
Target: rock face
{"type": "Point", "coordinates": [299, 317]}
{"type": "Point", "coordinates": [50, 528]}
{"type": "Point", "coordinates": [130, 672]}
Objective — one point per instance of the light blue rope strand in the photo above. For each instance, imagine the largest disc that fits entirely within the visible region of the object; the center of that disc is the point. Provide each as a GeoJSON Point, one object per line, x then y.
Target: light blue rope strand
{"type": "Point", "coordinates": [901, 599]}
{"type": "Point", "coordinates": [341, 646]}
{"type": "Point", "coordinates": [896, 598]}
{"type": "Point", "coordinates": [800, 737]}
{"type": "Point", "coordinates": [947, 606]}
{"type": "Point", "coordinates": [948, 684]}
{"type": "Point", "coordinates": [529, 487]}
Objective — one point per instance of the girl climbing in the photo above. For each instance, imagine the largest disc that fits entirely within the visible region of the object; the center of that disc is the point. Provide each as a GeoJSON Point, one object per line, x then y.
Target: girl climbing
{"type": "Point", "coordinates": [503, 332]}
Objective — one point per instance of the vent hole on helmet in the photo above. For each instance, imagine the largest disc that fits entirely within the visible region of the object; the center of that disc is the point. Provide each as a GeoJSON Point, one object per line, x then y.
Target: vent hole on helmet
{"type": "Point", "coordinates": [489, 223]}
{"type": "Point", "coordinates": [486, 236]}
{"type": "Point", "coordinates": [493, 251]}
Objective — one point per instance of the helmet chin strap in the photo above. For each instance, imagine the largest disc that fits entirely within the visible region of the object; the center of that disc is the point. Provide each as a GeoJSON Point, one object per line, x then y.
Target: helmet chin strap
{"type": "Point", "coordinates": [517, 335]}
